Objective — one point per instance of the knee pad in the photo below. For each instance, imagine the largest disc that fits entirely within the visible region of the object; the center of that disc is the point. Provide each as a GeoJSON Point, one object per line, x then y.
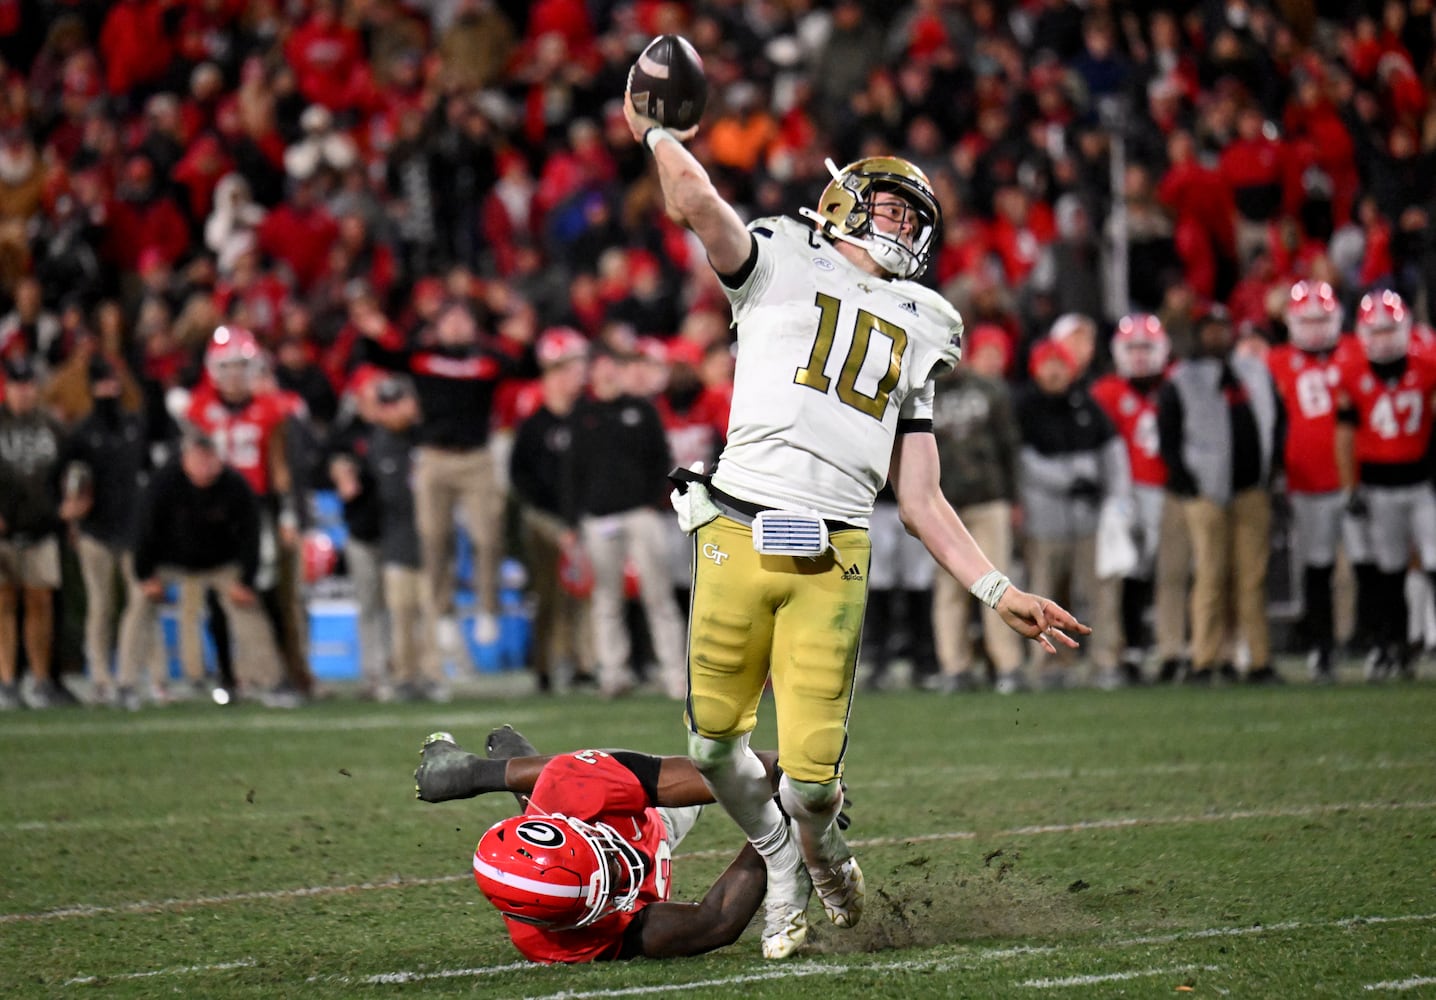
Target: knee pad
{"type": "Point", "coordinates": [711, 756]}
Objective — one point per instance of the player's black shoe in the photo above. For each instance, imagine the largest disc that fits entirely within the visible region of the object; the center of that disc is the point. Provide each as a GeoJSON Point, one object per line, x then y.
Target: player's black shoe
{"type": "Point", "coordinates": [507, 742]}
{"type": "Point", "coordinates": [446, 772]}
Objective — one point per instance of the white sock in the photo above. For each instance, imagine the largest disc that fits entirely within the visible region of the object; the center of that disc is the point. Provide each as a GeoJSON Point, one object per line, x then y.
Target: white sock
{"type": "Point", "coordinates": [735, 776]}
{"type": "Point", "coordinates": [815, 825]}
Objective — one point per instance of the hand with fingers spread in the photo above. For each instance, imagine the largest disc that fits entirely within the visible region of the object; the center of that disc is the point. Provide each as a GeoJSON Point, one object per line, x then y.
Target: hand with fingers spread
{"type": "Point", "coordinates": [1040, 619]}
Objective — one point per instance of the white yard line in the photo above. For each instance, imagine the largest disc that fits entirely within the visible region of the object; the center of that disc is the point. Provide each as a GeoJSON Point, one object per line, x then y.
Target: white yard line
{"type": "Point", "coordinates": [817, 968]}
{"type": "Point", "coordinates": [1402, 984]}
{"type": "Point", "coordinates": [1115, 823]}
{"type": "Point", "coordinates": [178, 970]}
{"type": "Point", "coordinates": [1113, 977]}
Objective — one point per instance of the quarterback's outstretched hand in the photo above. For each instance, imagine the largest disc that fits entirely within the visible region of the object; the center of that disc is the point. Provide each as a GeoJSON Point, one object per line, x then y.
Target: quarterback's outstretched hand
{"type": "Point", "coordinates": [640, 124]}
{"type": "Point", "coordinates": [1040, 618]}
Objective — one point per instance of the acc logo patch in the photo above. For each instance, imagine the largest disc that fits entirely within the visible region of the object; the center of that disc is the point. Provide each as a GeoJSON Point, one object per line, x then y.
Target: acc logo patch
{"type": "Point", "coordinates": [540, 833]}
{"type": "Point", "coordinates": [823, 264]}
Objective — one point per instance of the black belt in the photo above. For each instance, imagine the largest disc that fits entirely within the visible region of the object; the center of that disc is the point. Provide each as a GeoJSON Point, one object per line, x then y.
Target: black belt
{"type": "Point", "coordinates": [732, 505]}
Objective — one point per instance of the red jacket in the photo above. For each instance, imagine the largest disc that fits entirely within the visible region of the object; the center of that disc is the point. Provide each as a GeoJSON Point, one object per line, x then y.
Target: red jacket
{"type": "Point", "coordinates": [300, 238]}
{"type": "Point", "coordinates": [134, 45]}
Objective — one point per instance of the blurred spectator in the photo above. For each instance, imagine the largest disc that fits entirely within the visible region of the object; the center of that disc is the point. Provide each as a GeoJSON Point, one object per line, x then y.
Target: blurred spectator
{"type": "Point", "coordinates": [29, 330]}
{"type": "Point", "coordinates": [352, 471]}
{"type": "Point", "coordinates": [103, 462]}
{"type": "Point", "coordinates": [455, 378]}
{"type": "Point", "coordinates": [30, 446]}
{"type": "Point", "coordinates": [198, 528]}
{"type": "Point", "coordinates": [1220, 427]}
{"type": "Point", "coordinates": [414, 652]}
{"type": "Point", "coordinates": [541, 471]}
{"type": "Point", "coordinates": [1071, 462]}
{"type": "Point", "coordinates": [21, 188]}
{"type": "Point", "coordinates": [299, 234]}
{"type": "Point", "coordinates": [978, 443]}
{"type": "Point", "coordinates": [621, 465]}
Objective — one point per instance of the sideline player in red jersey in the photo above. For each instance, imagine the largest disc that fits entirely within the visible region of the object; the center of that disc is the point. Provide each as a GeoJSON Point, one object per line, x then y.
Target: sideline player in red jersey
{"type": "Point", "coordinates": [1140, 350]}
{"type": "Point", "coordinates": [584, 872]}
{"type": "Point", "coordinates": [1306, 371]}
{"type": "Point", "coordinates": [1384, 413]}
{"type": "Point", "coordinates": [247, 425]}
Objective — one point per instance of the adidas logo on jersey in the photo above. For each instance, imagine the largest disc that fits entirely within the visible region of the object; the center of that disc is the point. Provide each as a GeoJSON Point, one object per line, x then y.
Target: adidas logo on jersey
{"type": "Point", "coordinates": [853, 573]}
{"type": "Point", "coordinates": [910, 307]}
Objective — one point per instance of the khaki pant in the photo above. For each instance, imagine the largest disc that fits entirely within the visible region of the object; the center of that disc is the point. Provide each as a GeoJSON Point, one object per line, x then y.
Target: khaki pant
{"type": "Point", "coordinates": [1174, 569]}
{"type": "Point", "coordinates": [611, 541]}
{"type": "Point", "coordinates": [412, 633]}
{"type": "Point", "coordinates": [444, 480]}
{"type": "Point", "coordinates": [292, 628]}
{"type": "Point", "coordinates": [562, 627]}
{"type": "Point", "coordinates": [257, 665]}
{"type": "Point", "coordinates": [990, 525]}
{"type": "Point", "coordinates": [103, 568]}
{"type": "Point", "coordinates": [365, 573]}
{"type": "Point", "coordinates": [1230, 548]}
{"type": "Point", "coordinates": [1066, 570]}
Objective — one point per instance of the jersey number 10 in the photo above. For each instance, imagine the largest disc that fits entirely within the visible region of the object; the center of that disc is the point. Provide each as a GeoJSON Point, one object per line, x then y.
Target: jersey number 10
{"type": "Point", "coordinates": [812, 374]}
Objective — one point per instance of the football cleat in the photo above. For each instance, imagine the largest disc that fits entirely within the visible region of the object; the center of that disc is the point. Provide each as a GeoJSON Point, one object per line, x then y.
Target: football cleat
{"type": "Point", "coordinates": [505, 743]}
{"type": "Point", "coordinates": [785, 912]}
{"type": "Point", "coordinates": [837, 879]}
{"type": "Point", "coordinates": [445, 772]}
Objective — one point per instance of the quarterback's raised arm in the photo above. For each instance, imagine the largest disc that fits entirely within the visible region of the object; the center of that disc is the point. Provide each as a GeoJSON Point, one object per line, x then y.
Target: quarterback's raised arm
{"type": "Point", "coordinates": [689, 196]}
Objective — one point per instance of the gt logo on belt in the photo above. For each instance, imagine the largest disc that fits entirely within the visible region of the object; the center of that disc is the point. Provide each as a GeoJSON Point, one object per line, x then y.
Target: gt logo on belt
{"type": "Point", "coordinates": [711, 551]}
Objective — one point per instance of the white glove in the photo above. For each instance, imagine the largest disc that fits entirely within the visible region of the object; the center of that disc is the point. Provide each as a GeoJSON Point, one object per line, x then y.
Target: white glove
{"type": "Point", "coordinates": [694, 506]}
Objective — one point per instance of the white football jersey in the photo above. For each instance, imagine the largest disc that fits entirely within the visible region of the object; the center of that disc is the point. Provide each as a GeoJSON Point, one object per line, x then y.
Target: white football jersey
{"type": "Point", "coordinates": [830, 359]}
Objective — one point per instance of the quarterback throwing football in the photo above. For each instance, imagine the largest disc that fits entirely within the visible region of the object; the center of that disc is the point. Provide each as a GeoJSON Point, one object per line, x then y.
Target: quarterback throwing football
{"type": "Point", "coordinates": [838, 347]}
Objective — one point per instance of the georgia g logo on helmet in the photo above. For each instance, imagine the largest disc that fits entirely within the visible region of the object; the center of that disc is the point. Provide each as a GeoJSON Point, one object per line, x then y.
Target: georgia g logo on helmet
{"type": "Point", "coordinates": [901, 237]}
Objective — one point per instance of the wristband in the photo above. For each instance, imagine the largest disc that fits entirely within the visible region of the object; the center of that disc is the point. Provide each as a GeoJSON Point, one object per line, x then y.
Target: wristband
{"type": "Point", "coordinates": [655, 135]}
{"type": "Point", "coordinates": [990, 587]}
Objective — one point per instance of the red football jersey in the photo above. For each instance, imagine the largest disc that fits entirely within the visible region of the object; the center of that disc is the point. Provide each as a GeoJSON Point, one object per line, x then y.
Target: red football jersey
{"type": "Point", "coordinates": [1135, 417]}
{"type": "Point", "coordinates": [592, 786]}
{"type": "Point", "coordinates": [1395, 418]}
{"type": "Point", "coordinates": [244, 435]}
{"type": "Point", "coordinates": [1307, 384]}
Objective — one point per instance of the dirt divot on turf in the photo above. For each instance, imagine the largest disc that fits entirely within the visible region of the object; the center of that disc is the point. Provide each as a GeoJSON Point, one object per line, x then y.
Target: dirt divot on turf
{"type": "Point", "coordinates": [926, 901]}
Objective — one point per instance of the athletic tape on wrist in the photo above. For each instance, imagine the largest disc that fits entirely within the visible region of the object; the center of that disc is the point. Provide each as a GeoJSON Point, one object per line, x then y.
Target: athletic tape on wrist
{"type": "Point", "coordinates": [990, 587]}
{"type": "Point", "coordinates": [655, 135]}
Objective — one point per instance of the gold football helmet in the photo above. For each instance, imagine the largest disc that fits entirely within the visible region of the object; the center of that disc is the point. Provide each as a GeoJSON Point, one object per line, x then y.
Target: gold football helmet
{"type": "Point", "coordinates": [845, 212]}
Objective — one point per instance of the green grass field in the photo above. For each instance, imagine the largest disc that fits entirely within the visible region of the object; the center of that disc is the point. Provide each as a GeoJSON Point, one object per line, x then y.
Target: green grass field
{"type": "Point", "coordinates": [1243, 843]}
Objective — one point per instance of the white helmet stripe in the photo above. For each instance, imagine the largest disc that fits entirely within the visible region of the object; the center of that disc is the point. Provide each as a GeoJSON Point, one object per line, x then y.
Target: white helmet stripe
{"type": "Point", "coordinates": [482, 867]}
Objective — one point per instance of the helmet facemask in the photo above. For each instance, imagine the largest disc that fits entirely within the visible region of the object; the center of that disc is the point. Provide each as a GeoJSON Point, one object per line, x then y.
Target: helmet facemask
{"type": "Point", "coordinates": [852, 211]}
{"type": "Point", "coordinates": [1384, 327]}
{"type": "Point", "coordinates": [1313, 317]}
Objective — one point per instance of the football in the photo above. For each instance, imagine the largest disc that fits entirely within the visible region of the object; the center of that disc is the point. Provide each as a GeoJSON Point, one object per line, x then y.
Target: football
{"type": "Point", "coordinates": [667, 83]}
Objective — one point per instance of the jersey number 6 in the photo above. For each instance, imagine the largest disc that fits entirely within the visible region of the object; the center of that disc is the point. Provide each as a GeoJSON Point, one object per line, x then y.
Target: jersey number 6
{"type": "Point", "coordinates": [812, 376]}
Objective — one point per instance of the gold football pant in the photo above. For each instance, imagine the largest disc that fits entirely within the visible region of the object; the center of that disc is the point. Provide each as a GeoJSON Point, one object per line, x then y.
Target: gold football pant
{"type": "Point", "coordinates": [796, 620]}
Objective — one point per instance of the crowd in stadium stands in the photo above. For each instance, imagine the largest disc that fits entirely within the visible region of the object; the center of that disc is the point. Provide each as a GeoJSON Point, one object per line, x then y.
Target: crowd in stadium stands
{"type": "Point", "coordinates": [365, 244]}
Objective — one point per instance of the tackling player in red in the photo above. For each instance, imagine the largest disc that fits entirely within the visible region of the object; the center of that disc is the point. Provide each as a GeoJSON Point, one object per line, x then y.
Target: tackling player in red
{"type": "Point", "coordinates": [1306, 371]}
{"type": "Point", "coordinates": [583, 874]}
{"type": "Point", "coordinates": [1384, 413]}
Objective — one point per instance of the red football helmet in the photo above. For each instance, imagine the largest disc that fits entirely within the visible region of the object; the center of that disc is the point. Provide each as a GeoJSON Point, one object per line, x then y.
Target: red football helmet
{"type": "Point", "coordinates": [232, 360]}
{"type": "Point", "coordinates": [1384, 325]}
{"type": "Point", "coordinates": [1140, 346]}
{"type": "Point", "coordinates": [557, 872]}
{"type": "Point", "coordinates": [1313, 316]}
